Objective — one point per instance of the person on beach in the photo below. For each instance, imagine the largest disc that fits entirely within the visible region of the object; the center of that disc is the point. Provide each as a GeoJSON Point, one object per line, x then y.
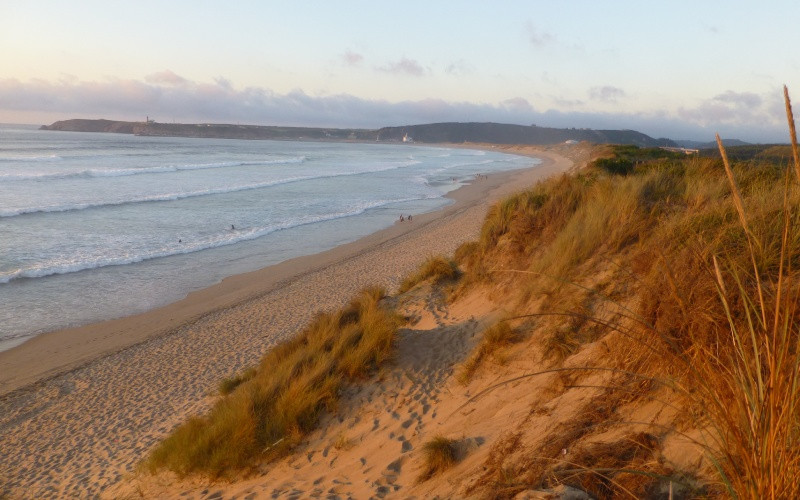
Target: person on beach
{"type": "Point", "coordinates": [409, 217]}
{"type": "Point", "coordinates": [401, 218]}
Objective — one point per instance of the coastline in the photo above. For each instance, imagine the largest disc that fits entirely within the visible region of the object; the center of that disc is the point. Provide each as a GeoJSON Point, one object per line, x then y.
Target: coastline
{"type": "Point", "coordinates": [49, 354]}
{"type": "Point", "coordinates": [80, 407]}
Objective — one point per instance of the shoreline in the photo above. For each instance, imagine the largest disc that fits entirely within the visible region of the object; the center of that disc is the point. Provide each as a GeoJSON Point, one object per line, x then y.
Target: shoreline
{"type": "Point", "coordinates": [79, 417]}
{"type": "Point", "coordinates": [52, 353]}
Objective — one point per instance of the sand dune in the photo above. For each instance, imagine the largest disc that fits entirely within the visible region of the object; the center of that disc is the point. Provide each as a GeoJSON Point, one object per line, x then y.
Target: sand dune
{"type": "Point", "coordinates": [80, 408]}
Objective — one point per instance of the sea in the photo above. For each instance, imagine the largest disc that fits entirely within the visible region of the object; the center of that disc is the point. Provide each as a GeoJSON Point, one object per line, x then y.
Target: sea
{"type": "Point", "coordinates": [99, 226]}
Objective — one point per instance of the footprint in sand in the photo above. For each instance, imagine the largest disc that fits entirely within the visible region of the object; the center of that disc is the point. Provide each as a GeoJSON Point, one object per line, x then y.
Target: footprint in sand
{"type": "Point", "coordinates": [396, 466]}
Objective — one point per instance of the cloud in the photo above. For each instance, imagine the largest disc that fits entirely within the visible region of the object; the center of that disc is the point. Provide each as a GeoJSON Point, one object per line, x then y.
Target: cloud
{"type": "Point", "coordinates": [733, 109]}
{"type": "Point", "coordinates": [223, 82]}
{"type": "Point", "coordinates": [740, 99]}
{"type": "Point", "coordinates": [536, 37]}
{"type": "Point", "coordinates": [606, 93]}
{"type": "Point", "coordinates": [404, 66]}
{"type": "Point", "coordinates": [754, 118]}
{"type": "Point", "coordinates": [166, 77]}
{"type": "Point", "coordinates": [459, 68]}
{"type": "Point", "coordinates": [517, 104]}
{"type": "Point", "coordinates": [351, 58]}
{"type": "Point", "coordinates": [568, 103]}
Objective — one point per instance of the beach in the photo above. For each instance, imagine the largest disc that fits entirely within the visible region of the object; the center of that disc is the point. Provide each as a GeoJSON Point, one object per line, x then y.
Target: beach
{"type": "Point", "coordinates": [80, 407]}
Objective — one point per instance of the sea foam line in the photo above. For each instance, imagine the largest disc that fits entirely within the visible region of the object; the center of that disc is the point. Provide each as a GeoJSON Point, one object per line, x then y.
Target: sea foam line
{"type": "Point", "coordinates": [121, 172]}
{"type": "Point", "coordinates": [14, 212]}
{"type": "Point", "coordinates": [55, 267]}
{"type": "Point", "coordinates": [47, 158]}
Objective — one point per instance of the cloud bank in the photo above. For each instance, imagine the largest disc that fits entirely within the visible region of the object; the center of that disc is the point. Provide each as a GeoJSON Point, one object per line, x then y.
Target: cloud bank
{"type": "Point", "coordinates": [168, 97]}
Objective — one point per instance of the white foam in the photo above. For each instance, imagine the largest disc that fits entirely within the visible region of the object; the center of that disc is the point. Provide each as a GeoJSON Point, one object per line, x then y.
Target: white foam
{"type": "Point", "coordinates": [68, 207]}
{"type": "Point", "coordinates": [31, 158]}
{"type": "Point", "coordinates": [121, 172]}
{"type": "Point", "coordinates": [67, 265]}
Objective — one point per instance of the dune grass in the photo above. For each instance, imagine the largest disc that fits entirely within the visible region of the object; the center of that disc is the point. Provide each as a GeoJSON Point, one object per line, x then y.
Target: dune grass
{"type": "Point", "coordinates": [271, 408]}
{"type": "Point", "coordinates": [494, 338]}
{"type": "Point", "coordinates": [436, 269]}
{"type": "Point", "coordinates": [227, 385]}
{"type": "Point", "coordinates": [711, 248]}
{"type": "Point", "coordinates": [440, 453]}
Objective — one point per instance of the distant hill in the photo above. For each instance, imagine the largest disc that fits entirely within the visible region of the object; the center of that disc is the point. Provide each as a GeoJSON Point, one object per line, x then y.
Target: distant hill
{"type": "Point", "coordinates": [496, 133]}
{"type": "Point", "coordinates": [685, 143]}
{"type": "Point", "coordinates": [500, 133]}
{"type": "Point", "coordinates": [209, 130]}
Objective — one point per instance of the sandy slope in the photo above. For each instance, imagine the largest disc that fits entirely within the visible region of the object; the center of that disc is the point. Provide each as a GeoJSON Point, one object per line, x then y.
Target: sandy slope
{"type": "Point", "coordinates": [81, 408]}
{"type": "Point", "coordinates": [372, 447]}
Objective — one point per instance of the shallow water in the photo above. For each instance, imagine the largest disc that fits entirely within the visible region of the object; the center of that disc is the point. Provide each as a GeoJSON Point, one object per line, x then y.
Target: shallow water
{"type": "Point", "coordinates": [97, 226]}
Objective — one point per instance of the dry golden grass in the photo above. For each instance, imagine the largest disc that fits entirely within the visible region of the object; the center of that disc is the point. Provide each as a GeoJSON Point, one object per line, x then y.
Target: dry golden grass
{"type": "Point", "coordinates": [436, 269]}
{"type": "Point", "coordinates": [343, 443]}
{"type": "Point", "coordinates": [229, 384]}
{"type": "Point", "coordinates": [712, 248]}
{"type": "Point", "coordinates": [494, 338]}
{"type": "Point", "coordinates": [269, 412]}
{"type": "Point", "coordinates": [440, 454]}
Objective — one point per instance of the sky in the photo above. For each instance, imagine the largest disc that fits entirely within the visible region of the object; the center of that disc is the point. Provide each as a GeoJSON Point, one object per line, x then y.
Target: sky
{"type": "Point", "coordinates": [678, 69]}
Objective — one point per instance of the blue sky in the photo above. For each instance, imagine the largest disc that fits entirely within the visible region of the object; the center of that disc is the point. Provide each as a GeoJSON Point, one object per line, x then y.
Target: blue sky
{"type": "Point", "coordinates": [669, 69]}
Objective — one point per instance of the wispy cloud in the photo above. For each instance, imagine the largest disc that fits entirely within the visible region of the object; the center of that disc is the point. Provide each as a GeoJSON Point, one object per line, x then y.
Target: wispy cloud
{"type": "Point", "coordinates": [537, 37]}
{"type": "Point", "coordinates": [351, 58]}
{"type": "Point", "coordinates": [566, 104]}
{"type": "Point", "coordinates": [606, 93]}
{"type": "Point", "coordinates": [404, 66]}
{"type": "Point", "coordinates": [459, 68]}
{"type": "Point", "coordinates": [166, 77]}
{"type": "Point", "coordinates": [711, 28]}
{"type": "Point", "coordinates": [740, 99]}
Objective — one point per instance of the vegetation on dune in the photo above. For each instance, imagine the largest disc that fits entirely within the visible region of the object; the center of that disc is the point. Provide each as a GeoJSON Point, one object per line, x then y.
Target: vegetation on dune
{"type": "Point", "coordinates": [701, 253]}
{"type": "Point", "coordinates": [709, 250]}
{"type": "Point", "coordinates": [440, 454]}
{"type": "Point", "coordinates": [494, 338]}
{"type": "Point", "coordinates": [229, 384]}
{"type": "Point", "coordinates": [270, 408]}
{"type": "Point", "coordinates": [752, 152]}
{"type": "Point", "coordinates": [436, 269]}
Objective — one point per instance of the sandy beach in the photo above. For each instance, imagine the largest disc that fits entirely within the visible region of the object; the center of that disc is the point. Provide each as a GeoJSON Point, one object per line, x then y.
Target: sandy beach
{"type": "Point", "coordinates": [80, 407]}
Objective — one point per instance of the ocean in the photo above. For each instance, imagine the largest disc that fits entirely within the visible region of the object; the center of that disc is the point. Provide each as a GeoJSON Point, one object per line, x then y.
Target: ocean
{"type": "Point", "coordinates": [99, 226]}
